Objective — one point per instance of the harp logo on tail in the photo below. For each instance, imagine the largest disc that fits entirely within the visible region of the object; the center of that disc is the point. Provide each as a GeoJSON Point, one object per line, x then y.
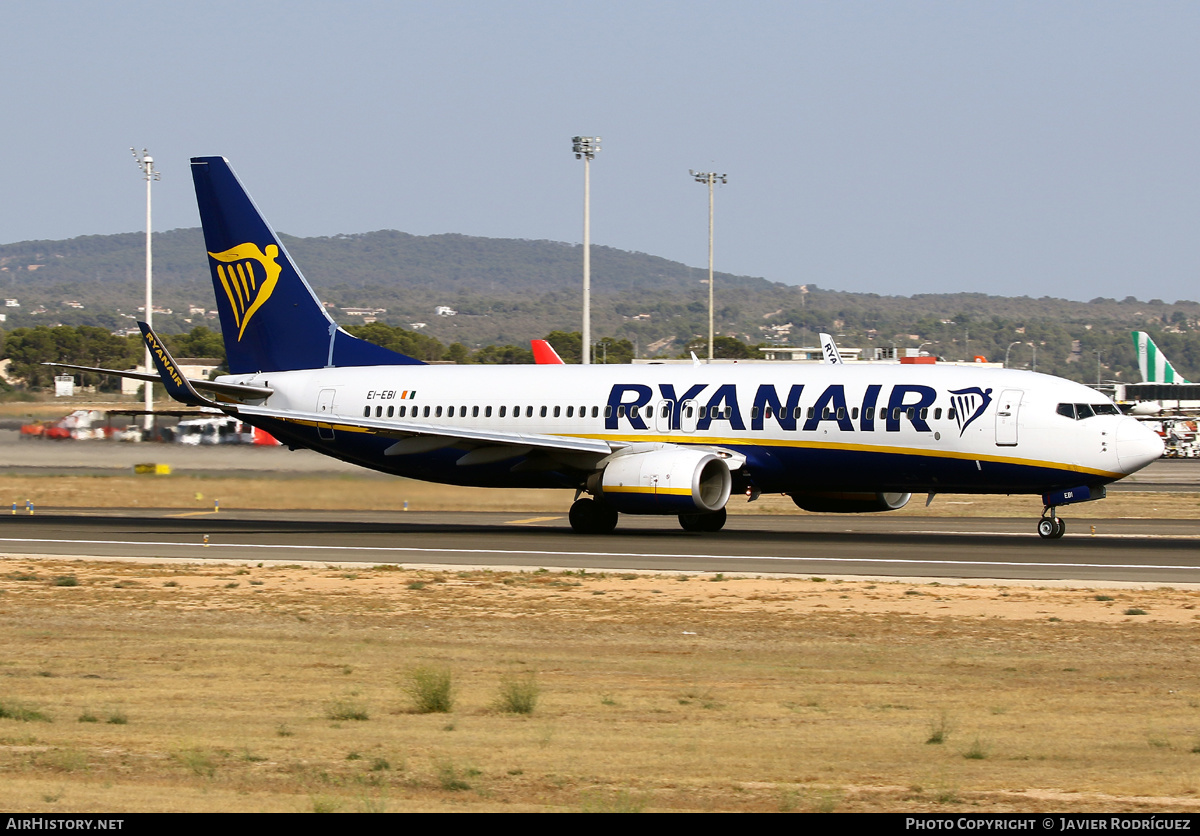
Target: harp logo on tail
{"type": "Point", "coordinates": [248, 276]}
{"type": "Point", "coordinates": [969, 404]}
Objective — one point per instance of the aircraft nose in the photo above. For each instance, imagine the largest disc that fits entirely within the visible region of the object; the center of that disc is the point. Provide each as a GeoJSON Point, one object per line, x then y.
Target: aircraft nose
{"type": "Point", "coordinates": [1137, 445]}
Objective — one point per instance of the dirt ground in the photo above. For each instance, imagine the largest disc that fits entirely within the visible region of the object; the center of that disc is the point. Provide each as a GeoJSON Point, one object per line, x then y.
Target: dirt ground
{"type": "Point", "coordinates": [130, 685]}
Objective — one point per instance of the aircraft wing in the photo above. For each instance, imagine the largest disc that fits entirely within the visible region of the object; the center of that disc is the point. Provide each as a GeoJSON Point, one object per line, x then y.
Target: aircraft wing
{"type": "Point", "coordinates": [416, 437]}
{"type": "Point", "coordinates": [234, 390]}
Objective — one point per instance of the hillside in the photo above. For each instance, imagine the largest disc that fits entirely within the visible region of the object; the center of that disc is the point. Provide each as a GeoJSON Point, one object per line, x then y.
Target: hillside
{"type": "Point", "coordinates": [508, 291]}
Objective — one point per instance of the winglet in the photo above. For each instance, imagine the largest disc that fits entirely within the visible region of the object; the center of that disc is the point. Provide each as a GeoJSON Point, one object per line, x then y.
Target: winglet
{"type": "Point", "coordinates": [544, 353]}
{"type": "Point", "coordinates": [176, 384]}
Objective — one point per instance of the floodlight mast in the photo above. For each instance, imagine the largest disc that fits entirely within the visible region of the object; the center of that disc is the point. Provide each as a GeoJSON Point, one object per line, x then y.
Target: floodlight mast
{"type": "Point", "coordinates": [585, 148]}
{"type": "Point", "coordinates": [711, 179]}
{"type": "Point", "coordinates": [146, 163]}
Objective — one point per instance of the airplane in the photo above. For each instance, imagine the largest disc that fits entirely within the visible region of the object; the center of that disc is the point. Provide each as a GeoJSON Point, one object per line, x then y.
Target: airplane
{"type": "Point", "coordinates": [631, 439]}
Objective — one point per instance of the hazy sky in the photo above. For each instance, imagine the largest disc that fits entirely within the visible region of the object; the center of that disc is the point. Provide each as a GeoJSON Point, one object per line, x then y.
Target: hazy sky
{"type": "Point", "coordinates": [1044, 148]}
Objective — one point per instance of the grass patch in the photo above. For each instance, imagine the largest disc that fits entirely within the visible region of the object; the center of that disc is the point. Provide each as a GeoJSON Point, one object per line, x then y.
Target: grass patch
{"type": "Point", "coordinates": [431, 690]}
{"type": "Point", "coordinates": [346, 709]}
{"type": "Point", "coordinates": [22, 713]}
{"type": "Point", "coordinates": [519, 693]}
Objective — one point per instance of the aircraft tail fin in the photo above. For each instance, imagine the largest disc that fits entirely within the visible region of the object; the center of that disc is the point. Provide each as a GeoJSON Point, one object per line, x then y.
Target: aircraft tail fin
{"type": "Point", "coordinates": [829, 350]}
{"type": "Point", "coordinates": [544, 353]}
{"type": "Point", "coordinates": [1152, 363]}
{"type": "Point", "coordinates": [270, 318]}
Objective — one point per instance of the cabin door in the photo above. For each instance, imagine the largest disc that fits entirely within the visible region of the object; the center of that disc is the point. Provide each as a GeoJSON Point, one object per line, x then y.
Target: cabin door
{"type": "Point", "coordinates": [325, 407]}
{"type": "Point", "coordinates": [1008, 410]}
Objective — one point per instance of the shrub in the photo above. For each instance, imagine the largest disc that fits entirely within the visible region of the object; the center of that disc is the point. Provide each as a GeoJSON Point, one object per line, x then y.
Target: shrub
{"type": "Point", "coordinates": [518, 693]}
{"type": "Point", "coordinates": [431, 690]}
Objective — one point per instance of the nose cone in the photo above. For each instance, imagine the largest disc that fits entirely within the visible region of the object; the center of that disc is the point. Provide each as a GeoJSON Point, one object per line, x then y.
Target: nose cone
{"type": "Point", "coordinates": [1137, 446]}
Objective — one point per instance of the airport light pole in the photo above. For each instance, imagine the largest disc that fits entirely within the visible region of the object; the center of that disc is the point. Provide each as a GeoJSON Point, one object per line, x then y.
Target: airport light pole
{"type": "Point", "coordinates": [1010, 345]}
{"type": "Point", "coordinates": [585, 148]}
{"type": "Point", "coordinates": [711, 179]}
{"type": "Point", "coordinates": [146, 163]}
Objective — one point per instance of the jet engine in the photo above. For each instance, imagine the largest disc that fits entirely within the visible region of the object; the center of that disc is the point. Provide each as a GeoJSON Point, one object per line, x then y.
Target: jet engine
{"type": "Point", "coordinates": [666, 480]}
{"type": "Point", "coordinates": [850, 502]}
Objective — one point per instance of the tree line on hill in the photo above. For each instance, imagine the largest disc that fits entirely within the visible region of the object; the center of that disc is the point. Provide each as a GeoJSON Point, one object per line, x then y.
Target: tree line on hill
{"type": "Point", "coordinates": [507, 291]}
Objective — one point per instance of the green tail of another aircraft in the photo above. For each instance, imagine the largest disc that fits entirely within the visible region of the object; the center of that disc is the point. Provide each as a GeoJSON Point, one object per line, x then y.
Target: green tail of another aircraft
{"type": "Point", "coordinates": [1154, 366]}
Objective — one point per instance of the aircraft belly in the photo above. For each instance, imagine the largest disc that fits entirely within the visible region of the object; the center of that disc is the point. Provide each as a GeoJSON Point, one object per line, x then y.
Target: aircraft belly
{"type": "Point", "coordinates": [784, 469]}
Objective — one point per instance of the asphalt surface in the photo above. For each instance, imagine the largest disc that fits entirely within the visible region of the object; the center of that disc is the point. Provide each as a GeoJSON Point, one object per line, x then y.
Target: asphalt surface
{"type": "Point", "coordinates": [1138, 551]}
{"type": "Point", "coordinates": [1156, 552]}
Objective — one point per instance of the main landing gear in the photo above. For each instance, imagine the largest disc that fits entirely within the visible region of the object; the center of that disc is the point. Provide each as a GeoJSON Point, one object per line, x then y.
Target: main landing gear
{"type": "Point", "coordinates": [1051, 527]}
{"type": "Point", "coordinates": [595, 516]}
{"type": "Point", "coordinates": [590, 516]}
{"type": "Point", "coordinates": [703, 522]}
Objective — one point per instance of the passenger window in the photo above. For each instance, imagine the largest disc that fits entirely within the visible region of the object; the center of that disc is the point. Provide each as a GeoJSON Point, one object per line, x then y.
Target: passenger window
{"type": "Point", "coordinates": [487, 412]}
{"type": "Point", "coordinates": [391, 411]}
{"type": "Point", "coordinates": [557, 411]}
{"type": "Point", "coordinates": [608, 412]}
{"type": "Point", "coordinates": [620, 411]}
{"type": "Point", "coordinates": [529, 412]}
{"type": "Point", "coordinates": [854, 414]}
{"type": "Point", "coordinates": [403, 410]}
{"type": "Point", "coordinates": [503, 411]}
{"type": "Point", "coordinates": [543, 412]}
{"type": "Point", "coordinates": [869, 413]}
{"type": "Point", "coordinates": [366, 412]}
{"type": "Point", "coordinates": [379, 412]}
{"type": "Point", "coordinates": [841, 413]}
{"type": "Point", "coordinates": [450, 412]}
{"type": "Point", "coordinates": [570, 412]}
{"type": "Point", "coordinates": [437, 412]}
{"type": "Point", "coordinates": [811, 412]}
{"type": "Point", "coordinates": [937, 414]}
{"type": "Point", "coordinates": [952, 414]}
{"type": "Point", "coordinates": [595, 411]}
{"type": "Point", "coordinates": [924, 413]}
{"type": "Point", "coordinates": [797, 413]}
{"type": "Point", "coordinates": [426, 412]}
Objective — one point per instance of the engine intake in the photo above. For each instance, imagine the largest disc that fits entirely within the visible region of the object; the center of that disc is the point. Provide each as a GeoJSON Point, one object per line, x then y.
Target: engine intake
{"type": "Point", "coordinates": [669, 480]}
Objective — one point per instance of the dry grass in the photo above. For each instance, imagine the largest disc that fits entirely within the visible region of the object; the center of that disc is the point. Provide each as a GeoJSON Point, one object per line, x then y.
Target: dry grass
{"type": "Point", "coordinates": [655, 692]}
{"type": "Point", "coordinates": [371, 492]}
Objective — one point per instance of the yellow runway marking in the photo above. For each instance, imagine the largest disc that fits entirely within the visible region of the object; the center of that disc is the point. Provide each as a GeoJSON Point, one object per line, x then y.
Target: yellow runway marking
{"type": "Point", "coordinates": [192, 514]}
{"type": "Point", "coordinates": [532, 520]}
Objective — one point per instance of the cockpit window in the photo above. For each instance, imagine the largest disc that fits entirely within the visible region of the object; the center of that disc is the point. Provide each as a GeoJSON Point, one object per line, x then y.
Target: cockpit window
{"type": "Point", "coordinates": [1080, 411]}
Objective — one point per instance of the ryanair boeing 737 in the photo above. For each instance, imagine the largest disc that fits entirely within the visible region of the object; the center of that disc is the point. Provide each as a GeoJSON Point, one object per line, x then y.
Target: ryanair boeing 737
{"type": "Point", "coordinates": [653, 439]}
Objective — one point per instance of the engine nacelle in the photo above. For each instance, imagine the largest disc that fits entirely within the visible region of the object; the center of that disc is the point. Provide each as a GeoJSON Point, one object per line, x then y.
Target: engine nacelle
{"type": "Point", "coordinates": [668, 480]}
{"type": "Point", "coordinates": [850, 502]}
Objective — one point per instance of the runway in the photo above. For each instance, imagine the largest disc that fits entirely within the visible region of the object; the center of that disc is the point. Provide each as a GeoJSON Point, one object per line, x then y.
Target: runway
{"type": "Point", "coordinates": [1157, 552]}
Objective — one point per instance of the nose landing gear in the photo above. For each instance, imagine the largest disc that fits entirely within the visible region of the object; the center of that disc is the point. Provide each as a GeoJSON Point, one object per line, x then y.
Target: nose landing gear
{"type": "Point", "coordinates": [1051, 527]}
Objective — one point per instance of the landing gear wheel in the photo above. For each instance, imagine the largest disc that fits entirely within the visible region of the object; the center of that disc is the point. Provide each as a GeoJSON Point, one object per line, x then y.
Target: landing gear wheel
{"type": "Point", "coordinates": [1051, 528]}
{"type": "Point", "coordinates": [703, 522]}
{"type": "Point", "coordinates": [588, 516]}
